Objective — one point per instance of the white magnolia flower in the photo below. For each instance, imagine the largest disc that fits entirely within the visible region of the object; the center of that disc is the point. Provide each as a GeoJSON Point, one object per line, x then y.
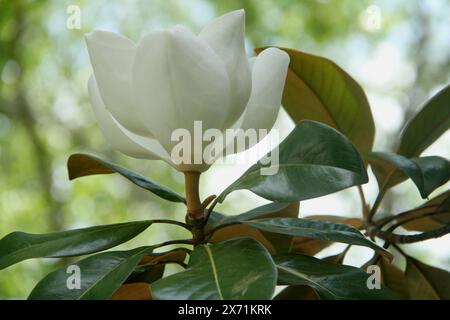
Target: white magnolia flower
{"type": "Point", "coordinates": [142, 93]}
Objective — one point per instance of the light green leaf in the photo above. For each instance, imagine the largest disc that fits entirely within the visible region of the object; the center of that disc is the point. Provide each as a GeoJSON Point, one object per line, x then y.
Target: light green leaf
{"type": "Point", "coordinates": [317, 89]}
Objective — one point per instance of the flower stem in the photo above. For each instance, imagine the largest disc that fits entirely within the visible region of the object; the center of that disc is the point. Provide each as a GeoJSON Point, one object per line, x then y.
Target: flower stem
{"type": "Point", "coordinates": [193, 203]}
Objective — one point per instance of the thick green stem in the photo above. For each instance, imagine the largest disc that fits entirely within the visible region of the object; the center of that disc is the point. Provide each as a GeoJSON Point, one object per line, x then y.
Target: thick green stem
{"type": "Point", "coordinates": [193, 203]}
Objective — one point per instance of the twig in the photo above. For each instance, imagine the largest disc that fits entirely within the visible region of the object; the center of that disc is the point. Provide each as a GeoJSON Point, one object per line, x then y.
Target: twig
{"type": "Point", "coordinates": [398, 238]}
{"type": "Point", "coordinates": [178, 223]}
{"type": "Point", "coordinates": [210, 209]}
{"type": "Point", "coordinates": [167, 243]}
{"type": "Point", "coordinates": [365, 209]}
{"type": "Point", "coordinates": [381, 223]}
{"type": "Point", "coordinates": [193, 203]}
{"type": "Point", "coordinates": [404, 221]}
{"type": "Point", "coordinates": [376, 205]}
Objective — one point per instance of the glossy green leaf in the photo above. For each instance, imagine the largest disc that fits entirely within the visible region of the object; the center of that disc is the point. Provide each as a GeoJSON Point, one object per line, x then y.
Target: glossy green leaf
{"type": "Point", "coordinates": [275, 243]}
{"type": "Point", "coordinates": [19, 246]}
{"type": "Point", "coordinates": [234, 269]}
{"type": "Point", "coordinates": [100, 276]}
{"type": "Point", "coordinates": [263, 211]}
{"type": "Point", "coordinates": [316, 229]}
{"type": "Point", "coordinates": [317, 89]}
{"type": "Point", "coordinates": [331, 281]}
{"type": "Point", "coordinates": [314, 160]}
{"type": "Point", "coordinates": [426, 282]}
{"type": "Point", "coordinates": [80, 165]}
{"type": "Point", "coordinates": [427, 173]}
{"type": "Point", "coordinates": [310, 246]}
{"type": "Point", "coordinates": [427, 125]}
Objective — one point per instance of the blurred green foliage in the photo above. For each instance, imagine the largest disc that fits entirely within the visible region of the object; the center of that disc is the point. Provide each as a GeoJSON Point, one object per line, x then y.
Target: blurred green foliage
{"type": "Point", "coordinates": [45, 113]}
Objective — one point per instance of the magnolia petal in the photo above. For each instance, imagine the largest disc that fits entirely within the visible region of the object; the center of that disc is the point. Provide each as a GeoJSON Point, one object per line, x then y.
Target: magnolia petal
{"type": "Point", "coordinates": [122, 139]}
{"type": "Point", "coordinates": [112, 57]}
{"type": "Point", "coordinates": [178, 79]}
{"type": "Point", "coordinates": [268, 77]}
{"type": "Point", "coordinates": [226, 36]}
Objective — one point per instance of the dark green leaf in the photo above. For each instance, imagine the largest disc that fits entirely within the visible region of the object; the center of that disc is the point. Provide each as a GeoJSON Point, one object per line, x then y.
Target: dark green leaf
{"type": "Point", "coordinates": [234, 269]}
{"type": "Point", "coordinates": [314, 160]}
{"type": "Point", "coordinates": [427, 173]}
{"type": "Point", "coordinates": [100, 275]}
{"type": "Point", "coordinates": [426, 282]}
{"type": "Point", "coordinates": [428, 125]}
{"type": "Point", "coordinates": [331, 281]}
{"type": "Point", "coordinates": [317, 89]}
{"type": "Point", "coordinates": [80, 165]}
{"type": "Point", "coordinates": [310, 246]}
{"type": "Point", "coordinates": [316, 229]}
{"type": "Point", "coordinates": [19, 246]}
{"type": "Point", "coordinates": [275, 243]}
{"type": "Point", "coordinates": [263, 211]}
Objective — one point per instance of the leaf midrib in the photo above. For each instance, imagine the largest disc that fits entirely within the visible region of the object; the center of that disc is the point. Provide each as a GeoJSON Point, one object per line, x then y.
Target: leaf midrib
{"type": "Point", "coordinates": [214, 271]}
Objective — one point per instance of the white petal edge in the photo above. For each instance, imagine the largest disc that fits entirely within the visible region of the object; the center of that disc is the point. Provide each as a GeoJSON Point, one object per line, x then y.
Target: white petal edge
{"type": "Point", "coordinates": [112, 57]}
{"type": "Point", "coordinates": [226, 36]}
{"type": "Point", "coordinates": [121, 139]}
{"type": "Point", "coordinates": [268, 78]}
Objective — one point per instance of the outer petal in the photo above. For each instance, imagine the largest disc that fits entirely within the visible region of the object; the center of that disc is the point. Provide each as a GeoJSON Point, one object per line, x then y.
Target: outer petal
{"type": "Point", "coordinates": [226, 35]}
{"type": "Point", "coordinates": [268, 78]}
{"type": "Point", "coordinates": [112, 59]}
{"type": "Point", "coordinates": [178, 79]}
{"type": "Point", "coordinates": [122, 140]}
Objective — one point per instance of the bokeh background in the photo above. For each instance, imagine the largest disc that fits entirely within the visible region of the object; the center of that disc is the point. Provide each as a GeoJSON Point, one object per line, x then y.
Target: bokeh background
{"type": "Point", "coordinates": [399, 51]}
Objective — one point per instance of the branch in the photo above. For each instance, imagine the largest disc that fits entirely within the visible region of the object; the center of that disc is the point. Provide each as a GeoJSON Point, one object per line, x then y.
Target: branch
{"type": "Point", "coordinates": [193, 203]}
{"type": "Point", "coordinates": [365, 208]}
{"type": "Point", "coordinates": [421, 212]}
{"type": "Point", "coordinates": [177, 223]}
{"type": "Point", "coordinates": [399, 238]}
{"type": "Point", "coordinates": [167, 243]}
